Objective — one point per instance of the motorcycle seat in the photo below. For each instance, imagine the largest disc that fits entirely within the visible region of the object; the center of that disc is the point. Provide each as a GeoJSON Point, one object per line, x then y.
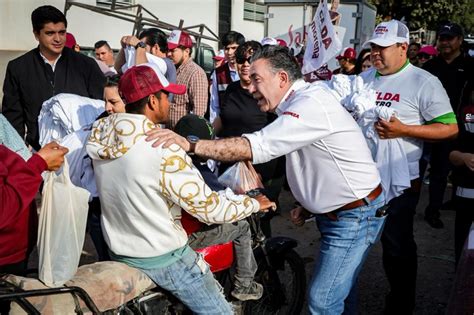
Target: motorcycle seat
{"type": "Point", "coordinates": [109, 284]}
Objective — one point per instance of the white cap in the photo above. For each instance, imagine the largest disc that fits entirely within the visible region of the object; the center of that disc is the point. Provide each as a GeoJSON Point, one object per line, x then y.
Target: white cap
{"type": "Point", "coordinates": [389, 33]}
{"type": "Point", "coordinates": [269, 41]}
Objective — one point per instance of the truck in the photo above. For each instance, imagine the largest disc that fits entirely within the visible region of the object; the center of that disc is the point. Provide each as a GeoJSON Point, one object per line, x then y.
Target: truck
{"type": "Point", "coordinates": [289, 20]}
{"type": "Point", "coordinates": [142, 18]}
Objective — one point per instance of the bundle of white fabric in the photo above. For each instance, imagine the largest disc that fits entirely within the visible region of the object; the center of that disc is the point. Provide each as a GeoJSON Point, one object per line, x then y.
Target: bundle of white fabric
{"type": "Point", "coordinates": [67, 119]}
{"type": "Point", "coordinates": [64, 114]}
{"type": "Point", "coordinates": [388, 154]}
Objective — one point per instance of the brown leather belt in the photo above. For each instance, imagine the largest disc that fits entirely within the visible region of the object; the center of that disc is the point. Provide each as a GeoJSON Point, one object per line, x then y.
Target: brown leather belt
{"type": "Point", "coordinates": [355, 204]}
{"type": "Point", "coordinates": [363, 202]}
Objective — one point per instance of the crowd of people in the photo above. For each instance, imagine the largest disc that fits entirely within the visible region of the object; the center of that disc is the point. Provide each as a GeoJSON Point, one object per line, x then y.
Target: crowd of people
{"type": "Point", "coordinates": [167, 131]}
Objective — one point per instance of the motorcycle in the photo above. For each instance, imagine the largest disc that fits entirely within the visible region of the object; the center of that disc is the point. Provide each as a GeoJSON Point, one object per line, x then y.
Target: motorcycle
{"type": "Point", "coordinates": [280, 270]}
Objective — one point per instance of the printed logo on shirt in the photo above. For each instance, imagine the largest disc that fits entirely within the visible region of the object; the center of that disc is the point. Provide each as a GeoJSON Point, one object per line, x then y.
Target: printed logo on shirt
{"type": "Point", "coordinates": [291, 114]}
{"type": "Point", "coordinates": [386, 99]}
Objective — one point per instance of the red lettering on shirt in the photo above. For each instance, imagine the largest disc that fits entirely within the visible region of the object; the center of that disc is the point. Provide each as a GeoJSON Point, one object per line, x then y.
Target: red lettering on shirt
{"type": "Point", "coordinates": [388, 97]}
{"type": "Point", "coordinates": [291, 114]}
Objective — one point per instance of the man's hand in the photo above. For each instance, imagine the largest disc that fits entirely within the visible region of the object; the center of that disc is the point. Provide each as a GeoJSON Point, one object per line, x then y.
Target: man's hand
{"type": "Point", "coordinates": [299, 215]}
{"type": "Point", "coordinates": [468, 159]}
{"type": "Point", "coordinates": [53, 154]}
{"type": "Point", "coordinates": [129, 40]}
{"type": "Point", "coordinates": [393, 128]}
{"type": "Point", "coordinates": [167, 138]}
{"type": "Point", "coordinates": [265, 203]}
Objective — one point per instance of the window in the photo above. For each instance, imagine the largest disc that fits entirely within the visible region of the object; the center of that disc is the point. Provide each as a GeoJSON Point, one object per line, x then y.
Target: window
{"type": "Point", "coordinates": [118, 3]}
{"type": "Point", "coordinates": [254, 11]}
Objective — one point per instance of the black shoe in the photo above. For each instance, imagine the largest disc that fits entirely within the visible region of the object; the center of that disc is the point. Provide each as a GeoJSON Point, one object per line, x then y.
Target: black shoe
{"type": "Point", "coordinates": [435, 223]}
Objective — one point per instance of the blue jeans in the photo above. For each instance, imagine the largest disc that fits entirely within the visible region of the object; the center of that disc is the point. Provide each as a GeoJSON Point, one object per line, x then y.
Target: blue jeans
{"type": "Point", "coordinates": [345, 244]}
{"type": "Point", "coordinates": [192, 282]}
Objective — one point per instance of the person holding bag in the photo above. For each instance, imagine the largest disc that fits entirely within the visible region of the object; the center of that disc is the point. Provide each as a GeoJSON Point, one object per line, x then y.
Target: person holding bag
{"type": "Point", "coordinates": [19, 183]}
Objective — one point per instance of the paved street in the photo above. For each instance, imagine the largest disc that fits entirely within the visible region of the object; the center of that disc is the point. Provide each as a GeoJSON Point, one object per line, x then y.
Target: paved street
{"type": "Point", "coordinates": [435, 259]}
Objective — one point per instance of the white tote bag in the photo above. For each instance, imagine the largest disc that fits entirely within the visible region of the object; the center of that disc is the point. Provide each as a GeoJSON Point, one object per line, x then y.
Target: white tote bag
{"type": "Point", "coordinates": [62, 228]}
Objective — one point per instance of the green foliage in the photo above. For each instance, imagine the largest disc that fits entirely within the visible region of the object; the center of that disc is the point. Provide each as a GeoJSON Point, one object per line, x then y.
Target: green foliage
{"type": "Point", "coordinates": [427, 13]}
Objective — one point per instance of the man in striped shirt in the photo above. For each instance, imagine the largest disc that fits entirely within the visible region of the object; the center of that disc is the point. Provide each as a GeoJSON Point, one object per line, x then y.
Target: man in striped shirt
{"type": "Point", "coordinates": [188, 73]}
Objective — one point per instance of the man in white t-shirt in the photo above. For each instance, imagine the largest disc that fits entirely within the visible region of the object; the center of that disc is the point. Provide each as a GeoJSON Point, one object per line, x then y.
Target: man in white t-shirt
{"type": "Point", "coordinates": [424, 113]}
{"type": "Point", "coordinates": [329, 168]}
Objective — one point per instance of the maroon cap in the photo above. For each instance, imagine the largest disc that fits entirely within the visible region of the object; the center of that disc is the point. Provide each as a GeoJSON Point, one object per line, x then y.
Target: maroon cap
{"type": "Point", "coordinates": [179, 38]}
{"type": "Point", "coordinates": [142, 80]}
{"type": "Point", "coordinates": [70, 41]}
{"type": "Point", "coordinates": [348, 53]}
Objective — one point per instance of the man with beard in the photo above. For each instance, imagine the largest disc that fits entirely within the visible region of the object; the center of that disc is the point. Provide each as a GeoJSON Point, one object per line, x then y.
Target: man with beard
{"type": "Point", "coordinates": [453, 69]}
{"type": "Point", "coordinates": [423, 113]}
{"type": "Point", "coordinates": [188, 73]}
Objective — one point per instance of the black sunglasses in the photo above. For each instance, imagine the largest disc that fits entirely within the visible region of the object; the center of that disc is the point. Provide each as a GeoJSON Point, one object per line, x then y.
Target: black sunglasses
{"type": "Point", "coordinates": [241, 60]}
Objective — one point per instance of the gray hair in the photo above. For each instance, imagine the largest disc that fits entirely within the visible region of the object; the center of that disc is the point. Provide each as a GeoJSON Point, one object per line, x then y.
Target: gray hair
{"type": "Point", "coordinates": [280, 59]}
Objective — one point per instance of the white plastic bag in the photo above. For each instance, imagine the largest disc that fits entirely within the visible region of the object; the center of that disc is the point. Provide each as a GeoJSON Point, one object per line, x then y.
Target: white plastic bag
{"type": "Point", "coordinates": [241, 178]}
{"type": "Point", "coordinates": [62, 228]}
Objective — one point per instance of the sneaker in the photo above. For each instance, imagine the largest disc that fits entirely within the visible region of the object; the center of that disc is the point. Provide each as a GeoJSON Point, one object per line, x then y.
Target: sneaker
{"type": "Point", "coordinates": [245, 293]}
{"type": "Point", "coordinates": [435, 223]}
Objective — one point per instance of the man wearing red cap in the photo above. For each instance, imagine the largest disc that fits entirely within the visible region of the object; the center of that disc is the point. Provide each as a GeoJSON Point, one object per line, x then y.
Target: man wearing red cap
{"type": "Point", "coordinates": [347, 61]}
{"type": "Point", "coordinates": [143, 190]}
{"type": "Point", "coordinates": [188, 73]}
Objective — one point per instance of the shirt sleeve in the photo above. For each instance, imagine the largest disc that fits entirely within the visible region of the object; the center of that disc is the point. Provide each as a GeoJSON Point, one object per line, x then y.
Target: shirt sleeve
{"type": "Point", "coordinates": [19, 183]}
{"type": "Point", "coordinates": [198, 92]}
{"type": "Point", "coordinates": [182, 184]}
{"type": "Point", "coordinates": [214, 109]}
{"type": "Point", "coordinates": [434, 101]}
{"type": "Point", "coordinates": [12, 108]}
{"type": "Point", "coordinates": [296, 127]}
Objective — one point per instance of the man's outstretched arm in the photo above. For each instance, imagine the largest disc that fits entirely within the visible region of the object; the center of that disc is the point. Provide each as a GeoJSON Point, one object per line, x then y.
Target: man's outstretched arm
{"type": "Point", "coordinates": [225, 150]}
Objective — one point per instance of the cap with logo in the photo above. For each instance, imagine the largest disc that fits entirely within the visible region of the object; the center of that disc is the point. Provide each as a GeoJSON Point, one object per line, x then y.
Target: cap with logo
{"type": "Point", "coordinates": [179, 38]}
{"type": "Point", "coordinates": [142, 80]}
{"type": "Point", "coordinates": [389, 33]}
{"type": "Point", "coordinates": [348, 53]}
{"type": "Point", "coordinates": [450, 29]}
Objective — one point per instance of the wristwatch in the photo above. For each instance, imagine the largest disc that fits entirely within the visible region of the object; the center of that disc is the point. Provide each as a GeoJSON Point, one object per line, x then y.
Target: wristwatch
{"type": "Point", "coordinates": [140, 45]}
{"type": "Point", "coordinates": [192, 143]}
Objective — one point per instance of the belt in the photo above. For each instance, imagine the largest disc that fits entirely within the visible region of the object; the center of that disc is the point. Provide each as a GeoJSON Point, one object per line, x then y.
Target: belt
{"type": "Point", "coordinates": [355, 204]}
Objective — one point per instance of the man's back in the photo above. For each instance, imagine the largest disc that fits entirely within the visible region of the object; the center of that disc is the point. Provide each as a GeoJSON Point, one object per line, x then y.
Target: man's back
{"type": "Point", "coordinates": [143, 189]}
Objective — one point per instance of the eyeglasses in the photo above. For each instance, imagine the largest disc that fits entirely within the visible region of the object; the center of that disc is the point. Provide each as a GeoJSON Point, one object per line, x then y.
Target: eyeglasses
{"type": "Point", "coordinates": [241, 61]}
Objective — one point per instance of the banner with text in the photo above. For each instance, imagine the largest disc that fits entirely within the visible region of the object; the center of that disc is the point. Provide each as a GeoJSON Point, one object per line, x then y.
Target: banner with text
{"type": "Point", "coordinates": [323, 43]}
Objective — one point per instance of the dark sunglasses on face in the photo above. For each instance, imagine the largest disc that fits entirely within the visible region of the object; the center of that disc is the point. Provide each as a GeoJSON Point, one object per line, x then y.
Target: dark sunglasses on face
{"type": "Point", "coordinates": [241, 60]}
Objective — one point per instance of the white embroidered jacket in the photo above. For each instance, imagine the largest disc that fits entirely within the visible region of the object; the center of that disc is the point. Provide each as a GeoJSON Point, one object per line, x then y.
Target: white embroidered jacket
{"type": "Point", "coordinates": [142, 189]}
